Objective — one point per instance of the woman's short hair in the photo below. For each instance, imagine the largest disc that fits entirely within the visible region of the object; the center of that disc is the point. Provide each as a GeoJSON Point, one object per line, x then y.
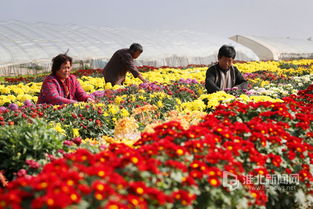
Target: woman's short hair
{"type": "Point", "coordinates": [135, 47]}
{"type": "Point", "coordinates": [58, 61]}
{"type": "Point", "coordinates": [227, 51]}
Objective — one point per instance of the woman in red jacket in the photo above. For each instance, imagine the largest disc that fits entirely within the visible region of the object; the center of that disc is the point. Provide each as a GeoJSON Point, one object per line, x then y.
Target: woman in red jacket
{"type": "Point", "coordinates": [60, 87]}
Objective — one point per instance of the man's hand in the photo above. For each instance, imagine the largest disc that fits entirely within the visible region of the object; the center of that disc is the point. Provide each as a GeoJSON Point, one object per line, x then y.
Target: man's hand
{"type": "Point", "coordinates": [142, 79]}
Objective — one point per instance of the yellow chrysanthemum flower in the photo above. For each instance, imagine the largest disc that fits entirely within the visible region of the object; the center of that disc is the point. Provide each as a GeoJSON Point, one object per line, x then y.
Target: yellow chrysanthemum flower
{"type": "Point", "coordinates": [75, 132]}
{"type": "Point", "coordinates": [118, 100]}
{"type": "Point", "coordinates": [160, 104]}
{"type": "Point", "coordinates": [124, 112]}
{"type": "Point", "coordinates": [59, 129]}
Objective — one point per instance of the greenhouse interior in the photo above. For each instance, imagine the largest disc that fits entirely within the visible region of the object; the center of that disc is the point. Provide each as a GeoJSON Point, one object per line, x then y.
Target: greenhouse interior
{"type": "Point", "coordinates": [27, 48]}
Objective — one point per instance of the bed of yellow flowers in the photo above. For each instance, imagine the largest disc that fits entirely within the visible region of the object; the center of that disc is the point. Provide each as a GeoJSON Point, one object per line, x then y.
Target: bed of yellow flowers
{"type": "Point", "coordinates": [200, 103]}
{"type": "Point", "coordinates": [21, 92]}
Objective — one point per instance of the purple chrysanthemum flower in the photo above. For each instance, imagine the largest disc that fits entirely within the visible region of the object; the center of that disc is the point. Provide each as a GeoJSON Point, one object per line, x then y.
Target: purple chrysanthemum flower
{"type": "Point", "coordinates": [28, 103]}
{"type": "Point", "coordinates": [13, 106]}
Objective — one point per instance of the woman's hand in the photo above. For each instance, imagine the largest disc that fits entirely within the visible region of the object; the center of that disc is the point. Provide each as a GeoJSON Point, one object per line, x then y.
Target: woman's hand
{"type": "Point", "coordinates": [90, 100]}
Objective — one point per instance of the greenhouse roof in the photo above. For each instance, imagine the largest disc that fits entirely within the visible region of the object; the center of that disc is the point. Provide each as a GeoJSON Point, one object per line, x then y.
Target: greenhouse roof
{"type": "Point", "coordinates": [22, 42]}
{"type": "Point", "coordinates": [269, 48]}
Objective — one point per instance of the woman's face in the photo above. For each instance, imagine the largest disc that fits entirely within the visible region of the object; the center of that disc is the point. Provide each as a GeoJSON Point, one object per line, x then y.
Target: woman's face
{"type": "Point", "coordinates": [64, 71]}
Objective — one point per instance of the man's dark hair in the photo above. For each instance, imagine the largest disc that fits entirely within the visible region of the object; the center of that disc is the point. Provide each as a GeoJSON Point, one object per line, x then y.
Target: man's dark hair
{"type": "Point", "coordinates": [227, 51]}
{"type": "Point", "coordinates": [58, 61]}
{"type": "Point", "coordinates": [135, 47]}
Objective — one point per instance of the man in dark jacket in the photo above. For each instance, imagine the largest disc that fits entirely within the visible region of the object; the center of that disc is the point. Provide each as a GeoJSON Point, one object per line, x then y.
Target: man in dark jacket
{"type": "Point", "coordinates": [122, 62]}
{"type": "Point", "coordinates": [224, 75]}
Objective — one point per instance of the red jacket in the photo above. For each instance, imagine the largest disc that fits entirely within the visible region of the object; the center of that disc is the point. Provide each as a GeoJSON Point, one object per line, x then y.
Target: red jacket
{"type": "Point", "coordinates": [53, 92]}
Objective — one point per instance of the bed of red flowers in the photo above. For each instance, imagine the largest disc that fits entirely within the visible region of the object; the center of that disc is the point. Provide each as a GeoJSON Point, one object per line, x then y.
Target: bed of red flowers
{"type": "Point", "coordinates": [177, 168]}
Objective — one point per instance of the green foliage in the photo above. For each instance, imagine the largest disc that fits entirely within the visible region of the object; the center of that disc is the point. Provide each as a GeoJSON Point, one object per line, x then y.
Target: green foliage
{"type": "Point", "coordinates": [288, 66]}
{"type": "Point", "coordinates": [27, 141]}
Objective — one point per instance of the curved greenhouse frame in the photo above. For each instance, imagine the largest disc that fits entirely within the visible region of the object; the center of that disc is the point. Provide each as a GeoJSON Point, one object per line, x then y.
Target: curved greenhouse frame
{"type": "Point", "coordinates": [271, 48]}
